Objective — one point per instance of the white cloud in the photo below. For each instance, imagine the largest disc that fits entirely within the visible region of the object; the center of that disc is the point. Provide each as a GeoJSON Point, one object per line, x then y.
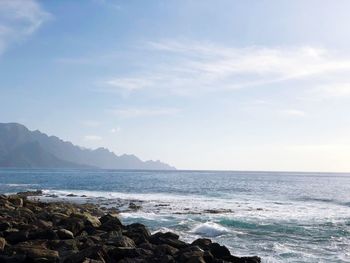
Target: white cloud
{"type": "Point", "coordinates": [92, 138]}
{"type": "Point", "coordinates": [144, 112]}
{"type": "Point", "coordinates": [115, 130]}
{"type": "Point", "coordinates": [189, 67]}
{"type": "Point", "coordinates": [332, 90]}
{"type": "Point", "coordinates": [19, 19]}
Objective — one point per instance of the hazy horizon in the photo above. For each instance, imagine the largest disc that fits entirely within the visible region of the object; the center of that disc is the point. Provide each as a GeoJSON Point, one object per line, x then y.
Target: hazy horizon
{"type": "Point", "coordinates": [230, 85]}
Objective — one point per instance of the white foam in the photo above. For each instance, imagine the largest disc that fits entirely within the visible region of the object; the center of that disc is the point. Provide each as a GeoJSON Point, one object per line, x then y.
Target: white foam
{"type": "Point", "coordinates": [210, 229]}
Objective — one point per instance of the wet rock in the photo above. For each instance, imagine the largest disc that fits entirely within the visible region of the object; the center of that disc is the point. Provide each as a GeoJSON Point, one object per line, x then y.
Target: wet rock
{"type": "Point", "coordinates": [73, 224]}
{"type": "Point", "coordinates": [96, 253]}
{"type": "Point", "coordinates": [165, 250]}
{"type": "Point", "coordinates": [134, 206]}
{"type": "Point", "coordinates": [18, 236]}
{"type": "Point", "coordinates": [203, 243]}
{"type": "Point", "coordinates": [2, 243]}
{"type": "Point", "coordinates": [15, 200]}
{"type": "Point", "coordinates": [219, 251]}
{"type": "Point", "coordinates": [47, 234]}
{"type": "Point", "coordinates": [110, 223]}
{"type": "Point", "coordinates": [117, 239]}
{"type": "Point", "coordinates": [65, 234]}
{"type": "Point", "coordinates": [126, 252]}
{"type": "Point", "coordinates": [35, 254]}
{"type": "Point", "coordinates": [168, 238]}
{"type": "Point", "coordinates": [5, 226]}
{"type": "Point", "coordinates": [137, 232]}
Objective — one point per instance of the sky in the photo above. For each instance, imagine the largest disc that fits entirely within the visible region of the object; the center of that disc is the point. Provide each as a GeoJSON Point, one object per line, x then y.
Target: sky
{"type": "Point", "coordinates": [199, 84]}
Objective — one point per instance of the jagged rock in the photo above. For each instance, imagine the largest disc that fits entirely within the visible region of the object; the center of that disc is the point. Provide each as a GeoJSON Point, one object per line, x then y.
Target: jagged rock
{"type": "Point", "coordinates": [110, 223]}
{"type": "Point", "coordinates": [15, 200]}
{"type": "Point", "coordinates": [203, 243]}
{"type": "Point", "coordinates": [96, 253]}
{"type": "Point", "coordinates": [65, 234]}
{"type": "Point", "coordinates": [168, 238]}
{"type": "Point", "coordinates": [16, 237]}
{"type": "Point", "coordinates": [35, 253]}
{"type": "Point", "coordinates": [2, 243]}
{"type": "Point", "coordinates": [219, 251]}
{"type": "Point", "coordinates": [5, 226]}
{"type": "Point", "coordinates": [137, 232]}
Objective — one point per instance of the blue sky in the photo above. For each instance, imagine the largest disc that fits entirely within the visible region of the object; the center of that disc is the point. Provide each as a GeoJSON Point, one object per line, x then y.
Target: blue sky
{"type": "Point", "coordinates": [200, 84]}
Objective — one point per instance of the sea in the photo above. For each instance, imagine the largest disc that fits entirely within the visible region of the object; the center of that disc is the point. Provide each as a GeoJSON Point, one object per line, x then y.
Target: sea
{"type": "Point", "coordinates": [279, 216]}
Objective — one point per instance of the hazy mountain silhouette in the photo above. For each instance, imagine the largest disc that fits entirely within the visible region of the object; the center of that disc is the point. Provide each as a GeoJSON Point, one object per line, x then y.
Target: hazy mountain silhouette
{"type": "Point", "coordinates": [20, 147]}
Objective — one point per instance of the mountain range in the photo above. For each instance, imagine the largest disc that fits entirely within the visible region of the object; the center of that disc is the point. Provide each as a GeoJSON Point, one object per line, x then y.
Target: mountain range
{"type": "Point", "coordinates": [20, 147]}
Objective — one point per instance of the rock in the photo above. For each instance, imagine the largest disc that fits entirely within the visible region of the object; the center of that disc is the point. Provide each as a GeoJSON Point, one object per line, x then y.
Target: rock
{"type": "Point", "coordinates": [165, 250]}
{"type": "Point", "coordinates": [2, 243]}
{"type": "Point", "coordinates": [15, 200]}
{"type": "Point", "coordinates": [117, 239]}
{"type": "Point", "coordinates": [47, 234]}
{"type": "Point", "coordinates": [16, 237]}
{"type": "Point", "coordinates": [71, 195]}
{"type": "Point", "coordinates": [89, 220]}
{"type": "Point", "coordinates": [137, 232]}
{"type": "Point", "coordinates": [5, 226]}
{"type": "Point", "coordinates": [203, 243]}
{"type": "Point", "coordinates": [73, 224]}
{"type": "Point", "coordinates": [65, 234]}
{"type": "Point", "coordinates": [35, 253]}
{"type": "Point", "coordinates": [133, 206]}
{"type": "Point", "coordinates": [30, 193]}
{"type": "Point", "coordinates": [126, 252]}
{"type": "Point", "coordinates": [13, 259]}
{"type": "Point", "coordinates": [168, 238]}
{"type": "Point", "coordinates": [110, 223]}
{"type": "Point", "coordinates": [219, 251]}
{"type": "Point", "coordinates": [95, 252]}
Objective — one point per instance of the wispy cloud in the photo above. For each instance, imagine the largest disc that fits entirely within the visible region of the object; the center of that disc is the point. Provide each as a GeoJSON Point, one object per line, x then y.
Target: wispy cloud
{"type": "Point", "coordinates": [144, 112]}
{"type": "Point", "coordinates": [19, 19]}
{"type": "Point", "coordinates": [189, 67]}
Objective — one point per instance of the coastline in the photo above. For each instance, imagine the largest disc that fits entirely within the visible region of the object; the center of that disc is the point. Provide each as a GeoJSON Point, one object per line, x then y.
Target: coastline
{"type": "Point", "coordinates": [32, 230]}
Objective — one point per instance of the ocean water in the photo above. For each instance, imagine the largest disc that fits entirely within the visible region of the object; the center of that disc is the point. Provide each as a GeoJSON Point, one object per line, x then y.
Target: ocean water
{"type": "Point", "coordinates": [279, 216]}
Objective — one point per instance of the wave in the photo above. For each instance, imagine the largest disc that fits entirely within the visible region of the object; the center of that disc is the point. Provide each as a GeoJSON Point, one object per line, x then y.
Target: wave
{"type": "Point", "coordinates": [210, 229]}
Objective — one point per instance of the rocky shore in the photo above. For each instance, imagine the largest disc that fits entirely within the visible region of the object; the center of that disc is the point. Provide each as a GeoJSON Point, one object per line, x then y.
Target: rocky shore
{"type": "Point", "coordinates": [36, 231]}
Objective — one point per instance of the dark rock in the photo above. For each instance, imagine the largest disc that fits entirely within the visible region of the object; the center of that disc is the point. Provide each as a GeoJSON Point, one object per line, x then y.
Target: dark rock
{"type": "Point", "coordinates": [36, 253]}
{"type": "Point", "coordinates": [203, 243]}
{"type": "Point", "coordinates": [168, 238]}
{"type": "Point", "coordinates": [219, 251]}
{"type": "Point", "coordinates": [73, 224]}
{"type": "Point", "coordinates": [165, 250]}
{"type": "Point", "coordinates": [15, 200]}
{"type": "Point", "coordinates": [16, 237]}
{"type": "Point", "coordinates": [47, 234]}
{"type": "Point", "coordinates": [65, 234]}
{"type": "Point", "coordinates": [12, 259]}
{"type": "Point", "coordinates": [94, 252]}
{"type": "Point", "coordinates": [137, 232]}
{"type": "Point", "coordinates": [110, 223]}
{"type": "Point", "coordinates": [126, 252]}
{"type": "Point", "coordinates": [5, 226]}
{"type": "Point", "coordinates": [2, 243]}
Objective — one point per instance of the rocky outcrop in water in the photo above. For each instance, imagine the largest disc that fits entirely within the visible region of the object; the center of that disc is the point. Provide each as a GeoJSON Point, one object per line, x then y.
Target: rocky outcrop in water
{"type": "Point", "coordinates": [38, 232]}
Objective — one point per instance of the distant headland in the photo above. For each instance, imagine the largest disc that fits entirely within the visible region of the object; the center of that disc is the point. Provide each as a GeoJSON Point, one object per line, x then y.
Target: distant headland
{"type": "Point", "coordinates": [22, 148]}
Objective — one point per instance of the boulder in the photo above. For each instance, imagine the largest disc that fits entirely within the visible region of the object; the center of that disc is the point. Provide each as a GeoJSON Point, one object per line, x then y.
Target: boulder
{"type": "Point", "coordinates": [95, 252]}
{"type": "Point", "coordinates": [36, 253]}
{"type": "Point", "coordinates": [65, 234]}
{"type": "Point", "coordinates": [203, 243]}
{"type": "Point", "coordinates": [110, 223]}
{"type": "Point", "coordinates": [219, 251]}
{"type": "Point", "coordinates": [15, 200]}
{"type": "Point", "coordinates": [2, 243]}
{"type": "Point", "coordinates": [137, 232]}
{"type": "Point", "coordinates": [16, 237]}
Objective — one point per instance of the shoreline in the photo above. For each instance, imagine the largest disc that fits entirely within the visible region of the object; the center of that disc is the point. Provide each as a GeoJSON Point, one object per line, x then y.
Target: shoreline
{"type": "Point", "coordinates": [33, 230]}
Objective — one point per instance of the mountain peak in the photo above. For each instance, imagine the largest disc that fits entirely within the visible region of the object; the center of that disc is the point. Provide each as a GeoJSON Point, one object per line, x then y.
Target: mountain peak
{"type": "Point", "coordinates": [21, 147]}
